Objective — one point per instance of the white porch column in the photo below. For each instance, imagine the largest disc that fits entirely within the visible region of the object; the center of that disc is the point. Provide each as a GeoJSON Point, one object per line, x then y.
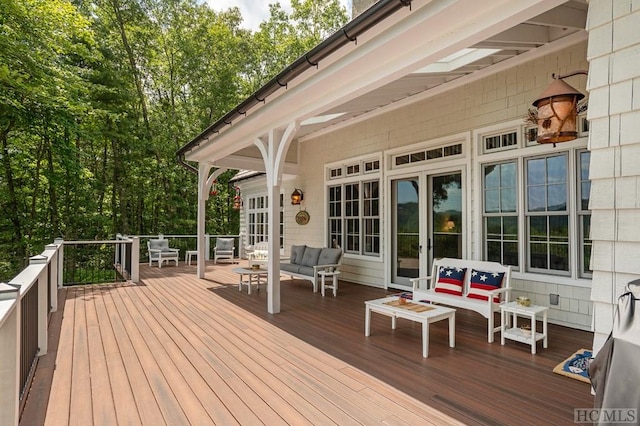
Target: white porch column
{"type": "Point", "coordinates": [273, 152]}
{"type": "Point", "coordinates": [203, 196]}
{"type": "Point", "coordinates": [204, 184]}
{"type": "Point", "coordinates": [614, 142]}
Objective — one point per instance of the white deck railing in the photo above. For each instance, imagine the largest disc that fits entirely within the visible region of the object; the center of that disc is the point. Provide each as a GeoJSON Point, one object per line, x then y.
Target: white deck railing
{"type": "Point", "coordinates": [25, 303]}
{"type": "Point", "coordinates": [28, 299]}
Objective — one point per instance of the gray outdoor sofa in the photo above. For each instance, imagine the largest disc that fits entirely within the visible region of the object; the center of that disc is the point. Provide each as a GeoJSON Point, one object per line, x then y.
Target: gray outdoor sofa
{"type": "Point", "coordinates": [305, 263]}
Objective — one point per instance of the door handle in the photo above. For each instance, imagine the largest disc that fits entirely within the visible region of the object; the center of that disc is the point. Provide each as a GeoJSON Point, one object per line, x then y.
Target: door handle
{"type": "Point", "coordinates": [420, 248]}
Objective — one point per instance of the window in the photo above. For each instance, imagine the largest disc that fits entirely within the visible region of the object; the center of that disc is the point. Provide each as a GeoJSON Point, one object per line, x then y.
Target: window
{"type": "Point", "coordinates": [501, 213]}
{"type": "Point", "coordinates": [534, 193]}
{"type": "Point", "coordinates": [547, 213]}
{"type": "Point", "coordinates": [584, 215]}
{"type": "Point", "coordinates": [371, 217]}
{"type": "Point", "coordinates": [354, 217]}
{"type": "Point", "coordinates": [258, 219]}
{"type": "Point", "coordinates": [500, 141]}
{"type": "Point", "coordinates": [429, 154]}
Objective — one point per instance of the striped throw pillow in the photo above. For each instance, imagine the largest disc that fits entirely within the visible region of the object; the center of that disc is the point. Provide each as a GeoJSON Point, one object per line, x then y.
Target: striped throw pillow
{"type": "Point", "coordinates": [483, 282]}
{"type": "Point", "coordinates": [450, 280]}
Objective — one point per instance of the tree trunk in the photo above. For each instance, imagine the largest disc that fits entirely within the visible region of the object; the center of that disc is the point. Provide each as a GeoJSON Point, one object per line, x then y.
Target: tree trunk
{"type": "Point", "coordinates": [13, 207]}
{"type": "Point", "coordinates": [115, 4]}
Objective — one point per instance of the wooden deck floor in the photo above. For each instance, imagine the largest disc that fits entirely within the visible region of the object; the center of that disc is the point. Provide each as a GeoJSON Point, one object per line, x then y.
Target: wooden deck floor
{"type": "Point", "coordinates": [176, 350]}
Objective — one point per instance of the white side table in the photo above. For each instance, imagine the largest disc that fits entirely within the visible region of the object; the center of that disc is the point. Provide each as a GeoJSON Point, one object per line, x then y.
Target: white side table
{"type": "Point", "coordinates": [334, 285]}
{"type": "Point", "coordinates": [189, 254]}
{"type": "Point", "coordinates": [512, 310]}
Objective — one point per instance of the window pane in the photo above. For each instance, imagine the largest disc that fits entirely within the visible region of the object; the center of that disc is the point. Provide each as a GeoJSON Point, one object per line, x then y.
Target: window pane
{"type": "Point", "coordinates": [585, 158]}
{"type": "Point", "coordinates": [538, 228]}
{"type": "Point", "coordinates": [559, 228]}
{"type": "Point", "coordinates": [536, 171]}
{"type": "Point", "coordinates": [557, 169]}
{"type": "Point", "coordinates": [536, 199]}
{"type": "Point", "coordinates": [585, 190]}
{"type": "Point", "coordinates": [494, 227]}
{"type": "Point", "coordinates": [510, 256]}
{"type": "Point", "coordinates": [510, 224]}
{"type": "Point", "coordinates": [508, 200]}
{"type": "Point", "coordinates": [559, 257]}
{"type": "Point", "coordinates": [538, 255]}
{"type": "Point", "coordinates": [494, 251]}
{"type": "Point", "coordinates": [557, 200]}
{"type": "Point", "coordinates": [492, 176]}
{"type": "Point", "coordinates": [492, 201]}
{"type": "Point", "coordinates": [586, 244]}
{"type": "Point", "coordinates": [585, 183]}
{"type": "Point", "coordinates": [508, 174]}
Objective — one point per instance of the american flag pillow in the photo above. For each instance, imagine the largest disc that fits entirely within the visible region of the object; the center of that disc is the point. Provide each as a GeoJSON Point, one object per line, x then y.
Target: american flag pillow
{"type": "Point", "coordinates": [483, 282]}
{"type": "Point", "coordinates": [450, 280]}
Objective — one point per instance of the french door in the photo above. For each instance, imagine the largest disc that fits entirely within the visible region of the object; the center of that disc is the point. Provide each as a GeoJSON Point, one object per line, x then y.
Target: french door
{"type": "Point", "coordinates": [427, 221]}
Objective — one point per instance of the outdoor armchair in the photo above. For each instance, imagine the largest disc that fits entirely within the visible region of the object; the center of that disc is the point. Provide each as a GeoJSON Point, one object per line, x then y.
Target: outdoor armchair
{"type": "Point", "coordinates": [224, 249]}
{"type": "Point", "coordinates": [159, 252]}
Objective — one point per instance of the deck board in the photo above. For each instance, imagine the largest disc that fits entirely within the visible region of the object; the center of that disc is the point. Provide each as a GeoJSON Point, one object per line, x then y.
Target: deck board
{"type": "Point", "coordinates": [177, 350]}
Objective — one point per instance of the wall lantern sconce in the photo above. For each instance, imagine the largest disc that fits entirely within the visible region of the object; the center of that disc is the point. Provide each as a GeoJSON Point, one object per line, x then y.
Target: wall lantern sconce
{"type": "Point", "coordinates": [296, 197]}
{"type": "Point", "coordinates": [557, 111]}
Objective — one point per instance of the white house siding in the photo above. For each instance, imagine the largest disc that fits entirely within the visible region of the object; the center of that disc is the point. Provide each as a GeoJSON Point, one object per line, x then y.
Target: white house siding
{"type": "Point", "coordinates": [614, 113]}
{"type": "Point", "coordinates": [500, 98]}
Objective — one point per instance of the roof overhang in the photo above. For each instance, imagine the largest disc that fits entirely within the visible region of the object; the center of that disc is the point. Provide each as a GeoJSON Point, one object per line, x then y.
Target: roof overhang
{"type": "Point", "coordinates": [414, 52]}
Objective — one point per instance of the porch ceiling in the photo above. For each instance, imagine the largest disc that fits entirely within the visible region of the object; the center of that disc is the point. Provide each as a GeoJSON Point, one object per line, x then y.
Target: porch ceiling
{"type": "Point", "coordinates": [401, 60]}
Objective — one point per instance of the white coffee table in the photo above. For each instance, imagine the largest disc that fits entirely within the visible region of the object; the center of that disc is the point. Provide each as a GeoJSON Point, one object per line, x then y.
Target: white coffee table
{"type": "Point", "coordinates": [253, 275]}
{"type": "Point", "coordinates": [434, 314]}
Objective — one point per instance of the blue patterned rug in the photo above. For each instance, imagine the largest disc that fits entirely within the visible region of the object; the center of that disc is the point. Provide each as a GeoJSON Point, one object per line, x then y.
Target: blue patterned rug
{"type": "Point", "coordinates": [576, 366]}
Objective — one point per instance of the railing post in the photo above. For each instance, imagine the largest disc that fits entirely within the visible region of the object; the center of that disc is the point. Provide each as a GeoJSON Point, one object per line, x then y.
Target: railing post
{"type": "Point", "coordinates": [135, 259]}
{"type": "Point", "coordinates": [207, 246]}
{"type": "Point", "coordinates": [53, 285]}
{"type": "Point", "coordinates": [9, 355]}
{"type": "Point", "coordinates": [116, 256]}
{"type": "Point", "coordinates": [43, 309]}
{"type": "Point", "coordinates": [60, 242]}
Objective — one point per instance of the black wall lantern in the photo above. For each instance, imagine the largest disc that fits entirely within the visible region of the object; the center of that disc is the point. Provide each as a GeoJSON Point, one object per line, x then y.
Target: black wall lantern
{"type": "Point", "coordinates": [296, 197]}
{"type": "Point", "coordinates": [557, 111]}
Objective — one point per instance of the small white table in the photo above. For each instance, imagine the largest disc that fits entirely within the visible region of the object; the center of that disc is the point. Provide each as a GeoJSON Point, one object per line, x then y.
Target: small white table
{"type": "Point", "coordinates": [436, 313]}
{"type": "Point", "coordinates": [334, 285]}
{"type": "Point", "coordinates": [511, 331]}
{"type": "Point", "coordinates": [189, 254]}
{"type": "Point", "coordinates": [253, 275]}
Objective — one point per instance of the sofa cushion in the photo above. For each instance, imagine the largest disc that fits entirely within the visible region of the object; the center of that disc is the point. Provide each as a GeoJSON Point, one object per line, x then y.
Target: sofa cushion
{"type": "Point", "coordinates": [329, 256]}
{"type": "Point", "coordinates": [482, 282]}
{"type": "Point", "coordinates": [310, 257]}
{"type": "Point", "coordinates": [450, 280]}
{"type": "Point", "coordinates": [306, 270]}
{"type": "Point", "coordinates": [296, 254]}
{"type": "Point", "coordinates": [289, 267]}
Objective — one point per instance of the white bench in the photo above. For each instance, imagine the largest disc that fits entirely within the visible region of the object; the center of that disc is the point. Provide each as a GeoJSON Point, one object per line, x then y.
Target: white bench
{"type": "Point", "coordinates": [428, 288]}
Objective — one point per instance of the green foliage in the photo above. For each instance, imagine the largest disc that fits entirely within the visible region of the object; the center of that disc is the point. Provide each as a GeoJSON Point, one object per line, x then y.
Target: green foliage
{"type": "Point", "coordinates": [96, 97]}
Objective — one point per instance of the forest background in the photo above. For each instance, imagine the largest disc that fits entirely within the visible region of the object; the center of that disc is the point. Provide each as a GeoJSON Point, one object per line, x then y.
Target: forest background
{"type": "Point", "coordinates": [96, 97]}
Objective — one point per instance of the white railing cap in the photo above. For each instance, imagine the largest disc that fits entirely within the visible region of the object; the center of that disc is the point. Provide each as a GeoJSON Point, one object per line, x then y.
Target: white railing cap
{"type": "Point", "coordinates": [37, 259]}
{"type": "Point", "coordinates": [8, 291]}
